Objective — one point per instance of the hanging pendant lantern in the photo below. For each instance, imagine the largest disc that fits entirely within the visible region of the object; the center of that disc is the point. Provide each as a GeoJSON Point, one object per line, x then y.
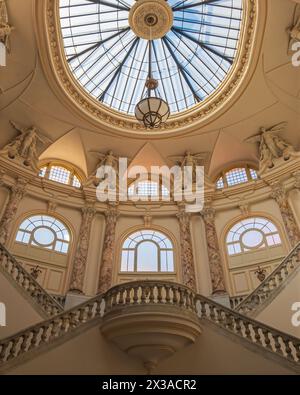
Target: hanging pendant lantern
{"type": "Point", "coordinates": [152, 111]}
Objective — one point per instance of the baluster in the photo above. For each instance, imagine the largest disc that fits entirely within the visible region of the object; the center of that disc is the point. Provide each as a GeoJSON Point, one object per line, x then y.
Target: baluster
{"type": "Point", "coordinates": [135, 294]}
{"type": "Point", "coordinates": [159, 293]}
{"type": "Point", "coordinates": [44, 334]}
{"type": "Point", "coordinates": [27, 341]}
{"type": "Point", "coordinates": [266, 339]}
{"type": "Point", "coordinates": [238, 327]}
{"type": "Point", "coordinates": [151, 295]}
{"type": "Point", "coordinates": [13, 349]}
{"type": "Point", "coordinates": [56, 328]}
{"type": "Point", "coordinates": [121, 298]}
{"type": "Point", "coordinates": [5, 350]}
{"type": "Point", "coordinates": [143, 295]}
{"type": "Point", "coordinates": [175, 295]}
{"type": "Point", "coordinates": [229, 322]}
{"type": "Point", "coordinates": [168, 296]}
{"type": "Point", "coordinates": [181, 297]}
{"type": "Point", "coordinates": [277, 344]}
{"type": "Point", "coordinates": [288, 349]}
{"type": "Point", "coordinates": [247, 333]}
{"type": "Point", "coordinates": [127, 295]}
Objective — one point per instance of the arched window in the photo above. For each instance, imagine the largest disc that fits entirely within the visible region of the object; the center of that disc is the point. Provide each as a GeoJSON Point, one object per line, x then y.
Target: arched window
{"type": "Point", "coordinates": [147, 251]}
{"type": "Point", "coordinates": [147, 188]}
{"type": "Point", "coordinates": [60, 174]}
{"type": "Point", "coordinates": [252, 234]}
{"type": "Point", "coordinates": [45, 232]}
{"type": "Point", "coordinates": [238, 175]}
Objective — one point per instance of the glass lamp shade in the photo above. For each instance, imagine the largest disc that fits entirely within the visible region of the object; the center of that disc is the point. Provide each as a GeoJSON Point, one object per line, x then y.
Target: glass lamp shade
{"type": "Point", "coordinates": [152, 112]}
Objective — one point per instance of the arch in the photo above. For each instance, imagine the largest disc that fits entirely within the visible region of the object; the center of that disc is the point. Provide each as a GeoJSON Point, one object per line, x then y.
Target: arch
{"type": "Point", "coordinates": [235, 175]}
{"type": "Point", "coordinates": [147, 250]}
{"type": "Point", "coordinates": [241, 267]}
{"type": "Point", "coordinates": [61, 172]}
{"type": "Point", "coordinates": [252, 233]}
{"type": "Point", "coordinates": [43, 230]}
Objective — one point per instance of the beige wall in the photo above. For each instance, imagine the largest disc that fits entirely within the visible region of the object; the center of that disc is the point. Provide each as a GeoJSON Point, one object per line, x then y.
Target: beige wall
{"type": "Point", "coordinates": [278, 311]}
{"type": "Point", "coordinates": [89, 353]}
{"type": "Point", "coordinates": [20, 312]}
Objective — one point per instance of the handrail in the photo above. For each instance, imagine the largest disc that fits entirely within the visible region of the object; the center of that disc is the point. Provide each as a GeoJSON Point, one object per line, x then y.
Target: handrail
{"type": "Point", "coordinates": [25, 280]}
{"type": "Point", "coordinates": [269, 286]}
{"type": "Point", "coordinates": [151, 293]}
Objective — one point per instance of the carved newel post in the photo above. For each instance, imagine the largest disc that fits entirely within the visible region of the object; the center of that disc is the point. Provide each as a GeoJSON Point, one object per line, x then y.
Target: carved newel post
{"type": "Point", "coordinates": [17, 192]}
{"type": "Point", "coordinates": [214, 255]}
{"type": "Point", "coordinates": [187, 257]}
{"type": "Point", "coordinates": [105, 278]}
{"type": "Point", "coordinates": [80, 260]}
{"type": "Point", "coordinates": [291, 227]}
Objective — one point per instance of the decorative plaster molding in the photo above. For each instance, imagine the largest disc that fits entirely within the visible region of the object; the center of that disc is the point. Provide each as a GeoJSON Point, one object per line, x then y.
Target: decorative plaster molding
{"type": "Point", "coordinates": [57, 70]}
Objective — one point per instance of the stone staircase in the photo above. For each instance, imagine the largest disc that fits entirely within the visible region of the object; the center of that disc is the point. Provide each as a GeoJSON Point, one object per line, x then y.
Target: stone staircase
{"type": "Point", "coordinates": [14, 272]}
{"type": "Point", "coordinates": [149, 295]}
{"type": "Point", "coordinates": [256, 301]}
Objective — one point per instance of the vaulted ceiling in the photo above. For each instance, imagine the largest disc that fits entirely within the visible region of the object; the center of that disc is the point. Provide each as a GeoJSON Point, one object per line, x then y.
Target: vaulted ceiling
{"type": "Point", "coordinates": [270, 97]}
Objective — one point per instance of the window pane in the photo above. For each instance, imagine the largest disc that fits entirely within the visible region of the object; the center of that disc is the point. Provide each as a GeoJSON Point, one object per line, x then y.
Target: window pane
{"type": "Point", "coordinates": [59, 174]}
{"type": "Point", "coordinates": [76, 182]}
{"type": "Point", "coordinates": [220, 183]}
{"type": "Point", "coordinates": [147, 257]}
{"type": "Point", "coordinates": [42, 172]}
{"type": "Point", "coordinates": [46, 232]}
{"type": "Point", "coordinates": [236, 176]}
{"type": "Point", "coordinates": [250, 233]}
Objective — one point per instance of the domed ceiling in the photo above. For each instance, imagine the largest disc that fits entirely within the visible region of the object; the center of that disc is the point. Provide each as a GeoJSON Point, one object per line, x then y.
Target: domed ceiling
{"type": "Point", "coordinates": [36, 88]}
{"type": "Point", "coordinates": [100, 54]}
{"type": "Point", "coordinates": [193, 47]}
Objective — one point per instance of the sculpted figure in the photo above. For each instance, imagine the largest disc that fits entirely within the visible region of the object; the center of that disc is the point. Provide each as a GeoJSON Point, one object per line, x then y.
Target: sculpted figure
{"type": "Point", "coordinates": [192, 161]}
{"type": "Point", "coordinates": [110, 161]}
{"type": "Point", "coordinates": [5, 28]}
{"type": "Point", "coordinates": [25, 145]}
{"type": "Point", "coordinates": [272, 146]}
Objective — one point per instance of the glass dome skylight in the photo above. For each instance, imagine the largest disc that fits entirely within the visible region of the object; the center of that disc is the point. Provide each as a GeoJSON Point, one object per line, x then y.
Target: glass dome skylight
{"type": "Point", "coordinates": [110, 61]}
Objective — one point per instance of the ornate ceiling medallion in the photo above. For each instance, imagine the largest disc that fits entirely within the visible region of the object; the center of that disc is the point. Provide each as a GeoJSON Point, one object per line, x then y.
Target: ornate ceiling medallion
{"type": "Point", "coordinates": [151, 19]}
{"type": "Point", "coordinates": [112, 106]}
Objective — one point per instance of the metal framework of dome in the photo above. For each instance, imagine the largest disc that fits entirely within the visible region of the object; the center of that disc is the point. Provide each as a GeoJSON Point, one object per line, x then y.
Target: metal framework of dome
{"type": "Point", "coordinates": [106, 44]}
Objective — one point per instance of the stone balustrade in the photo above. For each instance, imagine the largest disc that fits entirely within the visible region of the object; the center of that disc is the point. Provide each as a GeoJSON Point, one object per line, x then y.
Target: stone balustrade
{"type": "Point", "coordinates": [150, 294]}
{"type": "Point", "coordinates": [15, 271]}
{"type": "Point", "coordinates": [45, 332]}
{"type": "Point", "coordinates": [271, 284]}
{"type": "Point", "coordinates": [255, 332]}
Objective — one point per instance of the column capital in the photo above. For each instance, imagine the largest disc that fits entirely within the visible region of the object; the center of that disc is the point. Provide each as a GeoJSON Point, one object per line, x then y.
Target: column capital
{"type": "Point", "coordinates": [278, 193]}
{"type": "Point", "coordinates": [88, 210]}
{"type": "Point", "coordinates": [297, 180]}
{"type": "Point", "coordinates": [208, 214]}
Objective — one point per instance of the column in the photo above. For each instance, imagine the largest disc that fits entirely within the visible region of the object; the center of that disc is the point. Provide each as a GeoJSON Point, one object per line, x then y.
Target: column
{"type": "Point", "coordinates": [81, 256]}
{"type": "Point", "coordinates": [17, 192]}
{"type": "Point", "coordinates": [213, 249]}
{"type": "Point", "coordinates": [106, 269]}
{"type": "Point", "coordinates": [187, 257]}
{"type": "Point", "coordinates": [290, 224]}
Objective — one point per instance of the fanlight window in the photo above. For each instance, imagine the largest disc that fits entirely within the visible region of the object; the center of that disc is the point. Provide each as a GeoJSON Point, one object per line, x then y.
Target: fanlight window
{"type": "Point", "coordinates": [236, 176]}
{"type": "Point", "coordinates": [148, 189]}
{"type": "Point", "coordinates": [45, 232]}
{"type": "Point", "coordinates": [60, 174]}
{"type": "Point", "coordinates": [147, 251]}
{"type": "Point", "coordinates": [252, 234]}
